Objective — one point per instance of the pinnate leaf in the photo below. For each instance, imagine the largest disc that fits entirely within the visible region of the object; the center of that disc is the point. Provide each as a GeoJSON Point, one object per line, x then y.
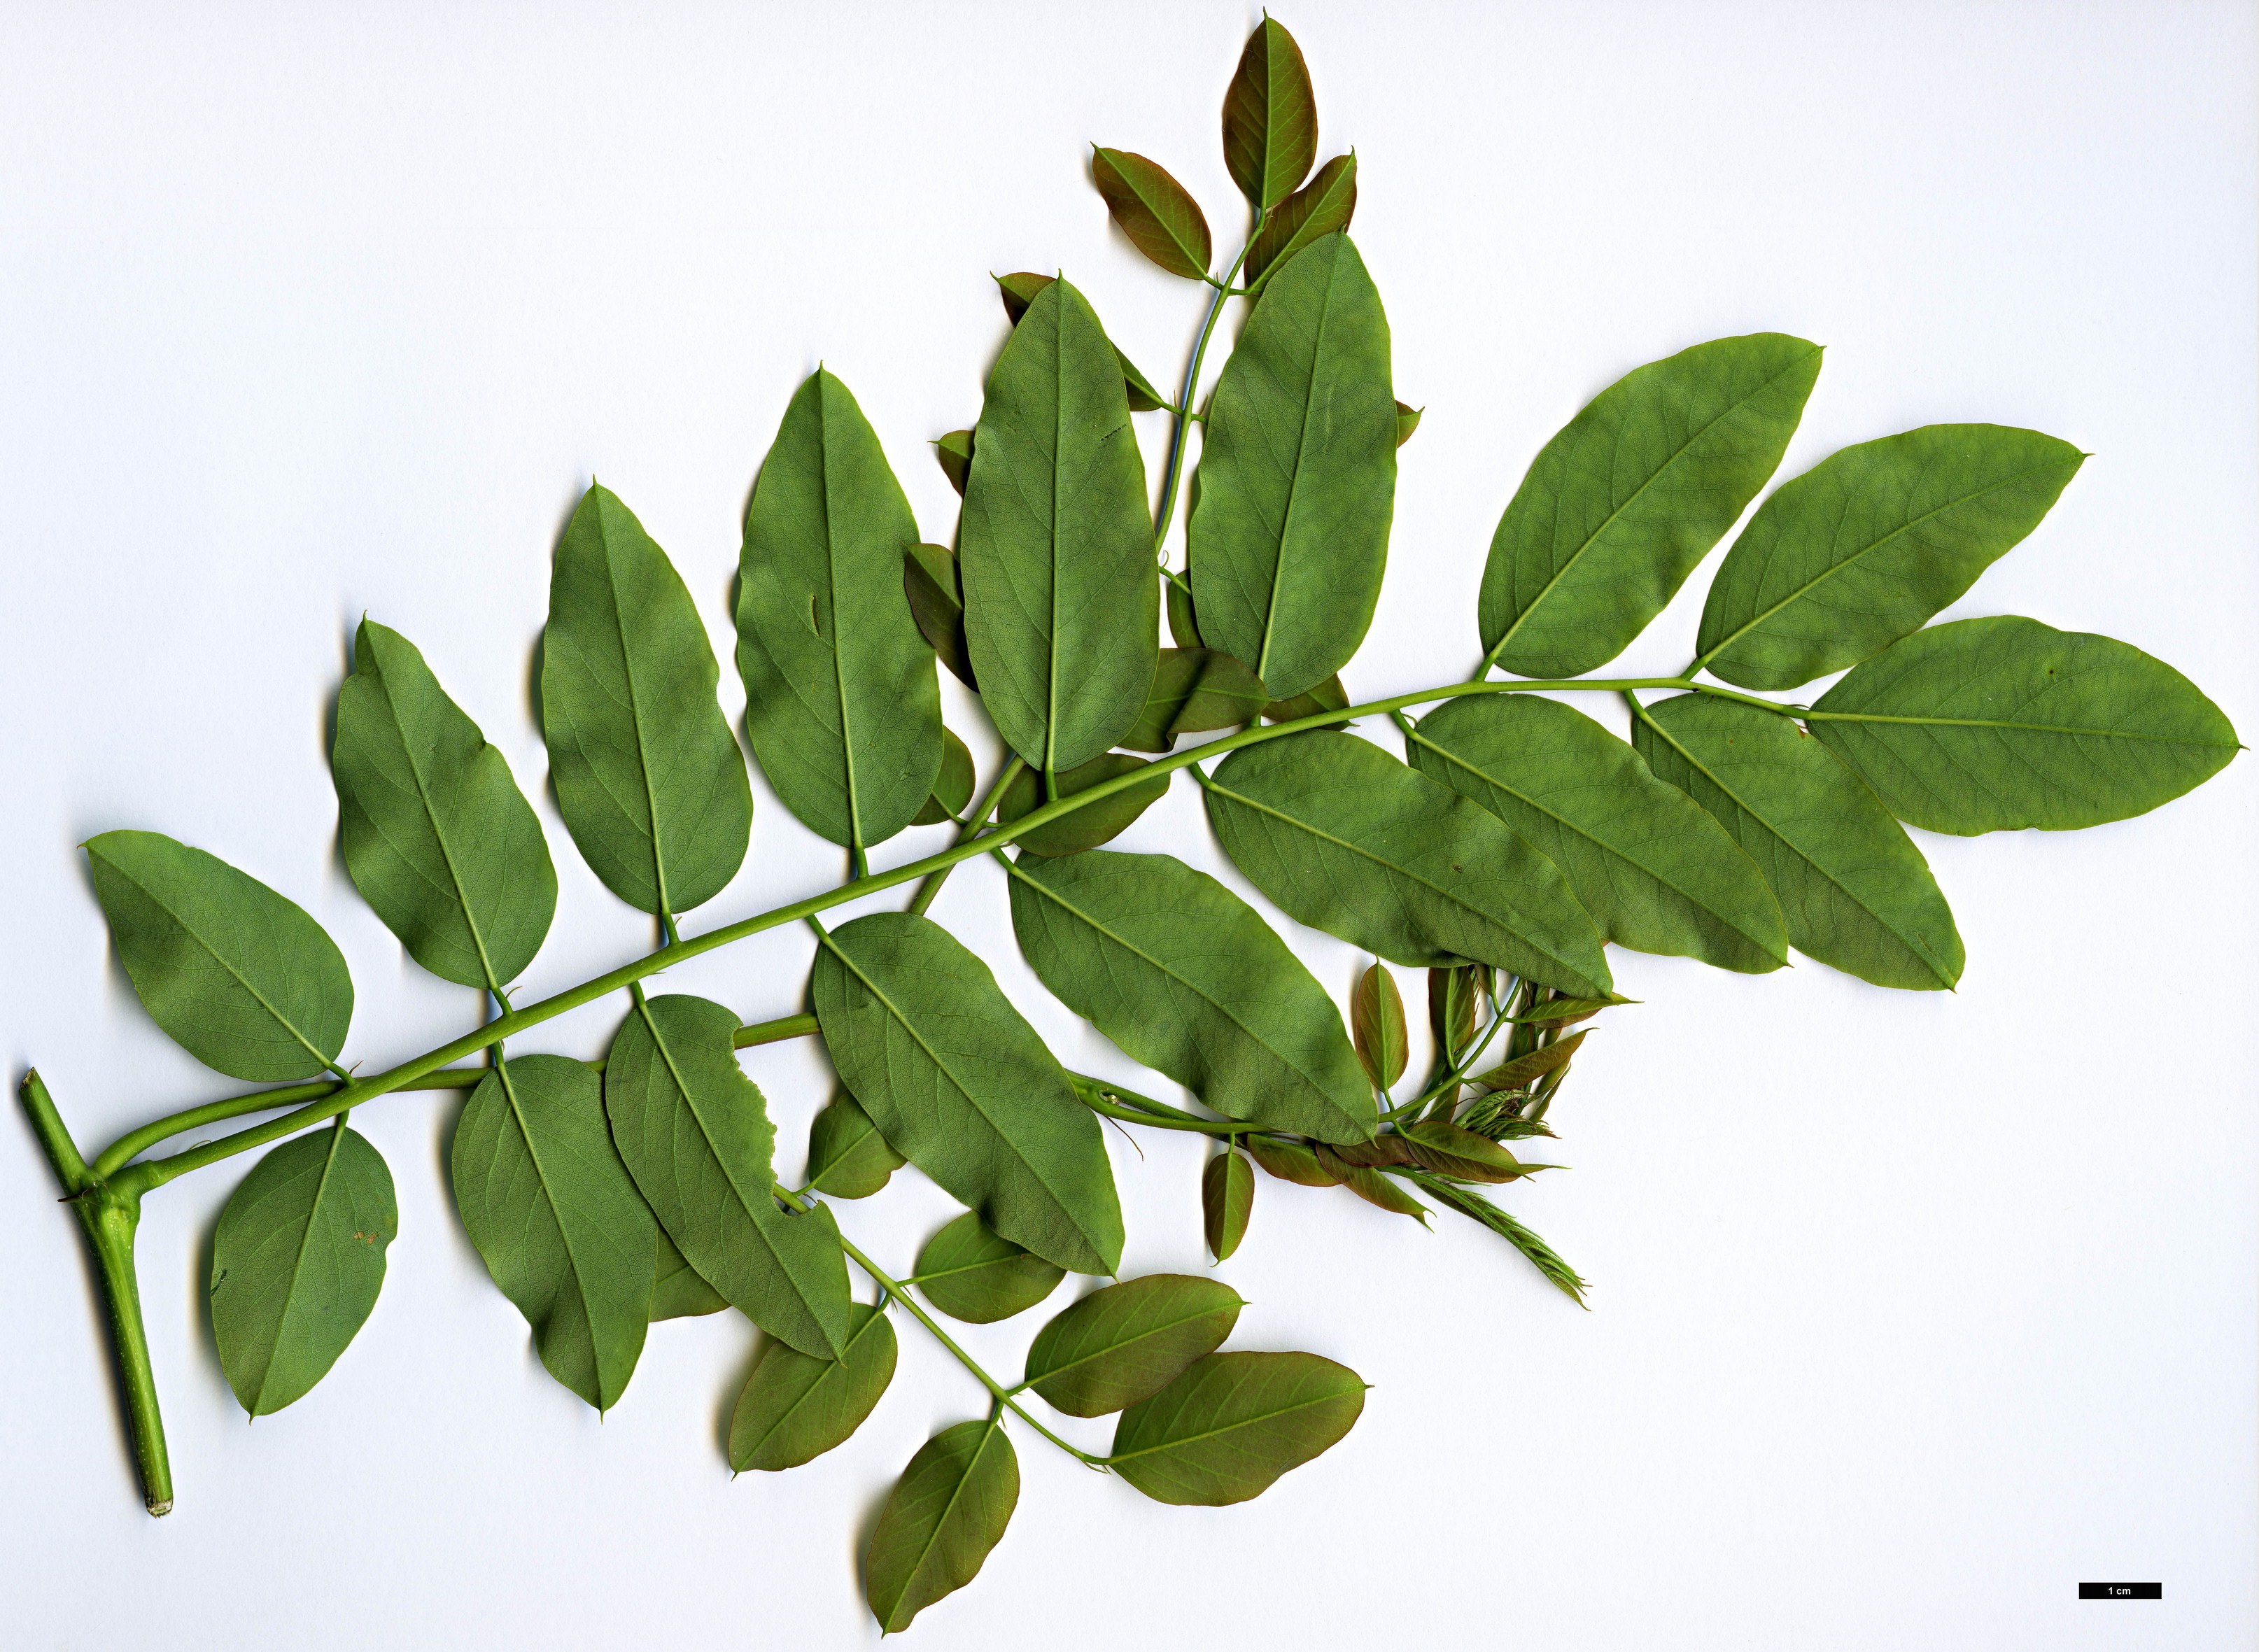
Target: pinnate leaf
{"type": "Point", "coordinates": [1863, 547]}
{"type": "Point", "coordinates": [1061, 595]}
{"type": "Point", "coordinates": [1349, 840]}
{"type": "Point", "coordinates": [1298, 475]}
{"type": "Point", "coordinates": [1232, 1424]}
{"type": "Point", "coordinates": [648, 776]}
{"type": "Point", "coordinates": [1126, 1342]}
{"type": "Point", "coordinates": [1854, 890]}
{"type": "Point", "coordinates": [1154, 210]}
{"type": "Point", "coordinates": [971, 1274]}
{"type": "Point", "coordinates": [562, 1230]}
{"type": "Point", "coordinates": [1990, 725]}
{"type": "Point", "coordinates": [239, 976]}
{"type": "Point", "coordinates": [841, 702]}
{"type": "Point", "coordinates": [440, 841]}
{"type": "Point", "coordinates": [1655, 872]}
{"type": "Point", "coordinates": [1632, 492]}
{"type": "Point", "coordinates": [1186, 978]}
{"type": "Point", "coordinates": [1270, 117]}
{"type": "Point", "coordinates": [949, 1509]}
{"type": "Point", "coordinates": [961, 1085]}
{"type": "Point", "coordinates": [1375, 1020]}
{"type": "Point", "coordinates": [297, 1262]}
{"type": "Point", "coordinates": [695, 1133]}
{"type": "Point", "coordinates": [795, 1407]}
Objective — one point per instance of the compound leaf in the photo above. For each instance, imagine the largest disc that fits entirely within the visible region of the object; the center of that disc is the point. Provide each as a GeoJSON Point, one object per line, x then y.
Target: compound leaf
{"type": "Point", "coordinates": [1187, 979]}
{"type": "Point", "coordinates": [1298, 475]}
{"type": "Point", "coordinates": [1126, 1342]}
{"type": "Point", "coordinates": [980, 1276]}
{"type": "Point", "coordinates": [1349, 840]}
{"type": "Point", "coordinates": [1634, 491]}
{"type": "Point", "coordinates": [1653, 869]}
{"type": "Point", "coordinates": [562, 1230]}
{"type": "Point", "coordinates": [238, 975]}
{"type": "Point", "coordinates": [1855, 891]}
{"type": "Point", "coordinates": [841, 701]}
{"type": "Point", "coordinates": [943, 1517]}
{"type": "Point", "coordinates": [648, 776]}
{"type": "Point", "coordinates": [962, 1086]}
{"type": "Point", "coordinates": [1233, 1423]}
{"type": "Point", "coordinates": [440, 841]}
{"type": "Point", "coordinates": [695, 1136]}
{"type": "Point", "coordinates": [1062, 600]}
{"type": "Point", "coordinates": [297, 1262]}
{"type": "Point", "coordinates": [795, 1407]}
{"type": "Point", "coordinates": [1990, 725]}
{"type": "Point", "coordinates": [1863, 547]}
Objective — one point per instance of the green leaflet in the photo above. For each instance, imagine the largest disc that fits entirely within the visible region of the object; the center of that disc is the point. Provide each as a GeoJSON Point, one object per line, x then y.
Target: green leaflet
{"type": "Point", "coordinates": [1656, 872]}
{"type": "Point", "coordinates": [943, 1517]}
{"type": "Point", "coordinates": [1154, 210]}
{"type": "Point", "coordinates": [847, 1158]}
{"type": "Point", "coordinates": [937, 599]}
{"type": "Point", "coordinates": [1328, 695]}
{"type": "Point", "coordinates": [1018, 290]}
{"type": "Point", "coordinates": [962, 1086]}
{"type": "Point", "coordinates": [677, 1289]}
{"type": "Point", "coordinates": [952, 786]}
{"type": "Point", "coordinates": [297, 1262]}
{"type": "Point", "coordinates": [977, 1275]}
{"type": "Point", "coordinates": [841, 701]}
{"type": "Point", "coordinates": [1348, 840]}
{"type": "Point", "coordinates": [438, 838]}
{"type": "Point", "coordinates": [1101, 822]}
{"type": "Point", "coordinates": [1062, 601]}
{"type": "Point", "coordinates": [1320, 207]}
{"type": "Point", "coordinates": [1226, 1203]}
{"type": "Point", "coordinates": [1863, 547]}
{"type": "Point", "coordinates": [1194, 689]}
{"type": "Point", "coordinates": [794, 1409]}
{"type": "Point", "coordinates": [1270, 117]}
{"type": "Point", "coordinates": [695, 1133]}
{"type": "Point", "coordinates": [235, 974]}
{"type": "Point", "coordinates": [1408, 420]}
{"type": "Point", "coordinates": [1298, 475]}
{"type": "Point", "coordinates": [1232, 1424]}
{"type": "Point", "coordinates": [648, 776]}
{"type": "Point", "coordinates": [1632, 492]}
{"type": "Point", "coordinates": [1184, 624]}
{"type": "Point", "coordinates": [1376, 1022]}
{"type": "Point", "coordinates": [1186, 978]}
{"type": "Point", "coordinates": [1855, 891]}
{"type": "Point", "coordinates": [1126, 1342]}
{"type": "Point", "coordinates": [953, 452]}
{"type": "Point", "coordinates": [1989, 724]}
{"type": "Point", "coordinates": [545, 1198]}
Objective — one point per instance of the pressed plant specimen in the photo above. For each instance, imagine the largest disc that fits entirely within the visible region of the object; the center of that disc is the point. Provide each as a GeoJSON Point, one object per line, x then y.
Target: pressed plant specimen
{"type": "Point", "coordinates": [1500, 840]}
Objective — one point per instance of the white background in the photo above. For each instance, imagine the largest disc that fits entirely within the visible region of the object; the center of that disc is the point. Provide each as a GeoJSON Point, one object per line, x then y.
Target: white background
{"type": "Point", "coordinates": [1909, 1311]}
